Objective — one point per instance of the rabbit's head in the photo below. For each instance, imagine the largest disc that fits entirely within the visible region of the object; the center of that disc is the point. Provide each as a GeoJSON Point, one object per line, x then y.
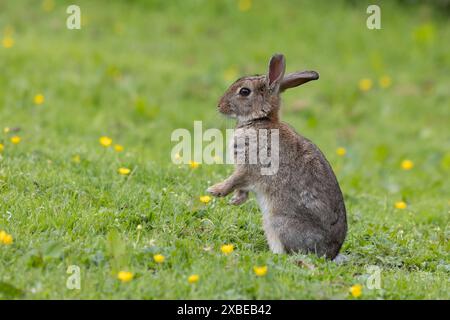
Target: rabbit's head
{"type": "Point", "coordinates": [257, 97]}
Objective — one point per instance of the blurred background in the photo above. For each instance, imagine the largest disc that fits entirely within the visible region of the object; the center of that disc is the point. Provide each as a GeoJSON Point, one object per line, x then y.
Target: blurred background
{"type": "Point", "coordinates": [137, 70]}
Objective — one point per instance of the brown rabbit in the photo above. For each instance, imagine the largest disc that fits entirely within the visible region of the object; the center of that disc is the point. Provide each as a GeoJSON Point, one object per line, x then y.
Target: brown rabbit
{"type": "Point", "coordinates": [302, 204]}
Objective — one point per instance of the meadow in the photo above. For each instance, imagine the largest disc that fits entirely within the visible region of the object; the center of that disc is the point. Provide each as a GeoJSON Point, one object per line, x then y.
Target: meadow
{"type": "Point", "coordinates": [86, 178]}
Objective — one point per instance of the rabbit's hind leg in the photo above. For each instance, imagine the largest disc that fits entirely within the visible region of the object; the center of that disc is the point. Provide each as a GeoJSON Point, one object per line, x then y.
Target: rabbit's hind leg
{"type": "Point", "coordinates": [299, 236]}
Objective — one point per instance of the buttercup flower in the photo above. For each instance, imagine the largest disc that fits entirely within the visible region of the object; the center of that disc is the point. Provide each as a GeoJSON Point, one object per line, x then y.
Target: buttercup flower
{"type": "Point", "coordinates": [407, 164]}
{"type": "Point", "coordinates": [193, 164]}
{"type": "Point", "coordinates": [76, 158]}
{"type": "Point", "coordinates": [105, 141]}
{"type": "Point", "coordinates": [400, 205]}
{"type": "Point", "coordinates": [125, 276]}
{"type": "Point", "coordinates": [227, 248]}
{"type": "Point", "coordinates": [48, 5]}
{"type": "Point", "coordinates": [341, 151]}
{"type": "Point", "coordinates": [124, 171]}
{"type": "Point", "coordinates": [8, 239]}
{"type": "Point", "coordinates": [365, 84]}
{"type": "Point", "coordinates": [118, 148]}
{"type": "Point", "coordinates": [159, 258]}
{"type": "Point", "coordinates": [6, 130]}
{"type": "Point", "coordinates": [16, 139]}
{"type": "Point", "coordinates": [193, 278]}
{"type": "Point", "coordinates": [139, 227]}
{"type": "Point", "coordinates": [5, 238]}
{"type": "Point", "coordinates": [260, 271]}
{"type": "Point", "coordinates": [8, 42]}
{"type": "Point", "coordinates": [245, 5]}
{"type": "Point", "coordinates": [2, 147]}
{"type": "Point", "coordinates": [356, 290]}
{"type": "Point", "coordinates": [385, 82]}
{"type": "Point", "coordinates": [205, 199]}
{"type": "Point", "coordinates": [39, 99]}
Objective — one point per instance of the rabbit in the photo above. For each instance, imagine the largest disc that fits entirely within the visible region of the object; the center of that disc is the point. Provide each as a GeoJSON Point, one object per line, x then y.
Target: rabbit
{"type": "Point", "coordinates": [302, 203]}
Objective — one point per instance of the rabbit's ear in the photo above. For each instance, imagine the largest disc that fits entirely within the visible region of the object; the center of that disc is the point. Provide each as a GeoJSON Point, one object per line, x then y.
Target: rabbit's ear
{"type": "Point", "coordinates": [277, 66]}
{"type": "Point", "coordinates": [297, 78]}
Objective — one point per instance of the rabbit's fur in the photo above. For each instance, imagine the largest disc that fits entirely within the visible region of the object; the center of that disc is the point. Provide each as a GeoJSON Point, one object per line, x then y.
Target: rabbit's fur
{"type": "Point", "coordinates": [302, 204]}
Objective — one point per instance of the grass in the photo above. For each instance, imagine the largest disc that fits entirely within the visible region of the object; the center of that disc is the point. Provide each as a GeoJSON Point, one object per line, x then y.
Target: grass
{"type": "Point", "coordinates": [137, 70]}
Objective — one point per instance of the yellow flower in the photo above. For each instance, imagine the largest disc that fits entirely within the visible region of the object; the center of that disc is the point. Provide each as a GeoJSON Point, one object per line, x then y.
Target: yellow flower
{"type": "Point", "coordinates": [48, 5]}
{"type": "Point", "coordinates": [193, 164]}
{"type": "Point", "coordinates": [5, 238]}
{"type": "Point", "coordinates": [105, 141]}
{"type": "Point", "coordinates": [125, 276]}
{"type": "Point", "coordinates": [385, 82]}
{"type": "Point", "coordinates": [205, 199]}
{"type": "Point", "coordinates": [124, 171]}
{"type": "Point", "coordinates": [400, 205]}
{"type": "Point", "coordinates": [16, 139]}
{"type": "Point", "coordinates": [407, 164]}
{"type": "Point", "coordinates": [139, 227]}
{"type": "Point", "coordinates": [8, 42]}
{"type": "Point", "coordinates": [8, 239]}
{"type": "Point", "coordinates": [118, 148]}
{"type": "Point", "coordinates": [365, 84]}
{"type": "Point", "coordinates": [341, 151]}
{"type": "Point", "coordinates": [230, 74]}
{"type": "Point", "coordinates": [356, 290]}
{"type": "Point", "coordinates": [39, 99]}
{"type": "Point", "coordinates": [260, 271]}
{"type": "Point", "coordinates": [2, 147]}
{"type": "Point", "coordinates": [159, 258]}
{"type": "Point", "coordinates": [245, 5]}
{"type": "Point", "coordinates": [227, 248]}
{"type": "Point", "coordinates": [6, 130]}
{"type": "Point", "coordinates": [76, 158]}
{"type": "Point", "coordinates": [193, 278]}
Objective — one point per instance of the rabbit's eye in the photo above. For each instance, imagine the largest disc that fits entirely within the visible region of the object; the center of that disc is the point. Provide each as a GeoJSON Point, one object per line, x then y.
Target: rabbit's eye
{"type": "Point", "coordinates": [244, 92]}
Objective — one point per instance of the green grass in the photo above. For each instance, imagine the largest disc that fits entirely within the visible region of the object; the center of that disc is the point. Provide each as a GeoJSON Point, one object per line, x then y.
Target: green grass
{"type": "Point", "coordinates": [137, 70]}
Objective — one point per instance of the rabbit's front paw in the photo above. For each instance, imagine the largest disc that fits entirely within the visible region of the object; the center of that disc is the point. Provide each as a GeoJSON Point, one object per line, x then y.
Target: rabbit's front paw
{"type": "Point", "coordinates": [239, 197]}
{"type": "Point", "coordinates": [217, 190]}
